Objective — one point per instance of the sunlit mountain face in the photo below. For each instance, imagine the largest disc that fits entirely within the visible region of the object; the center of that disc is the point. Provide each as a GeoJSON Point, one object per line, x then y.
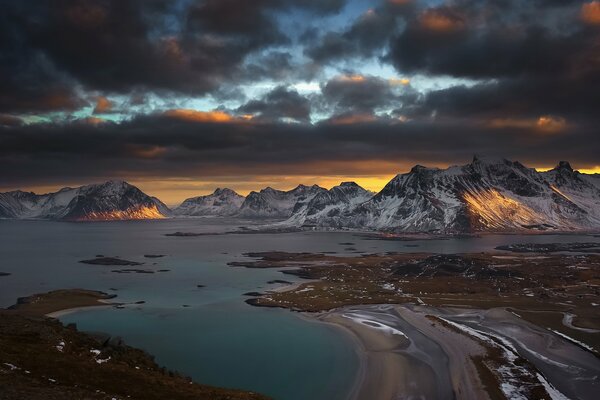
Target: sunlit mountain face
{"type": "Point", "coordinates": [183, 96]}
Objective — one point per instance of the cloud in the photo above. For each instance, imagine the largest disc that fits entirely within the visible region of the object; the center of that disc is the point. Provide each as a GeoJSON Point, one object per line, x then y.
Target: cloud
{"type": "Point", "coordinates": [442, 20]}
{"type": "Point", "coordinates": [103, 105]}
{"type": "Point", "coordinates": [122, 46]}
{"type": "Point", "coordinates": [363, 38]}
{"type": "Point", "coordinates": [10, 120]}
{"type": "Point", "coordinates": [590, 12]}
{"type": "Point", "coordinates": [199, 116]}
{"type": "Point", "coordinates": [545, 124]}
{"type": "Point", "coordinates": [362, 94]}
{"type": "Point", "coordinates": [279, 104]}
{"type": "Point", "coordinates": [483, 43]}
{"type": "Point", "coordinates": [166, 146]}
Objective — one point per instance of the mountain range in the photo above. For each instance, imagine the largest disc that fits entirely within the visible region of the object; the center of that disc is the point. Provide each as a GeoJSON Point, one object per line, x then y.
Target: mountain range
{"type": "Point", "coordinates": [486, 195]}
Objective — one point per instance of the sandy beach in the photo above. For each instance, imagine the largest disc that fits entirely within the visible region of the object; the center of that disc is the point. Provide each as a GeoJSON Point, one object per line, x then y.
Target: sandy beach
{"type": "Point", "coordinates": [399, 361]}
{"type": "Point", "coordinates": [406, 354]}
{"type": "Point", "coordinates": [66, 311]}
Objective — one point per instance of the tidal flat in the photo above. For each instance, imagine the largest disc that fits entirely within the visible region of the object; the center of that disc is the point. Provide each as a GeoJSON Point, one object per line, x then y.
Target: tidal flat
{"type": "Point", "coordinates": [463, 325]}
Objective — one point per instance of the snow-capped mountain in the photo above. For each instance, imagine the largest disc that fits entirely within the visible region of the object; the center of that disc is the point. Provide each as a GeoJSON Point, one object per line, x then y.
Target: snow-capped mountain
{"type": "Point", "coordinates": [113, 200]}
{"type": "Point", "coordinates": [223, 202]}
{"type": "Point", "coordinates": [485, 195]}
{"type": "Point", "coordinates": [273, 203]}
{"type": "Point", "coordinates": [324, 208]}
{"type": "Point", "coordinates": [581, 189]}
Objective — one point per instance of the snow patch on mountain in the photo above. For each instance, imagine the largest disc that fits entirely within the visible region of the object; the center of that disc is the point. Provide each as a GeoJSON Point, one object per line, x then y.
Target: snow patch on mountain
{"type": "Point", "coordinates": [223, 202]}
{"type": "Point", "coordinates": [324, 207]}
{"type": "Point", "coordinates": [112, 200]}
{"type": "Point", "coordinates": [273, 203]}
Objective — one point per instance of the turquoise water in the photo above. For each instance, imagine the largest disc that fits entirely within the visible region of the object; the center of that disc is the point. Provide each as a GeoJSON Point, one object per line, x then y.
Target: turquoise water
{"type": "Point", "coordinates": [268, 351]}
{"type": "Point", "coordinates": [217, 339]}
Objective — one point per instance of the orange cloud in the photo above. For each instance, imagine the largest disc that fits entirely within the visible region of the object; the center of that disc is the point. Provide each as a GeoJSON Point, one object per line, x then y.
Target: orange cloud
{"type": "Point", "coordinates": [10, 120]}
{"type": "Point", "coordinates": [544, 124]}
{"type": "Point", "coordinates": [93, 120]}
{"type": "Point", "coordinates": [438, 20]}
{"type": "Point", "coordinates": [551, 124]}
{"type": "Point", "coordinates": [352, 119]}
{"type": "Point", "coordinates": [399, 81]}
{"type": "Point", "coordinates": [590, 13]}
{"type": "Point", "coordinates": [148, 152]}
{"type": "Point", "coordinates": [199, 116]}
{"type": "Point", "coordinates": [103, 105]}
{"type": "Point", "coordinates": [351, 78]}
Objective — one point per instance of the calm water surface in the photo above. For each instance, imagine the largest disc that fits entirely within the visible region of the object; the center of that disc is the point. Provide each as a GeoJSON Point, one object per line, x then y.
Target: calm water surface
{"type": "Point", "coordinates": [217, 339]}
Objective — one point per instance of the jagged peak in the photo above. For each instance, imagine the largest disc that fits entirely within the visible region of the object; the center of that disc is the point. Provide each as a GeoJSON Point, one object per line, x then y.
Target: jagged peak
{"type": "Point", "coordinates": [419, 169]}
{"type": "Point", "coordinates": [115, 182]}
{"type": "Point", "coordinates": [349, 184]}
{"type": "Point", "coordinates": [226, 191]}
{"type": "Point", "coordinates": [563, 166]}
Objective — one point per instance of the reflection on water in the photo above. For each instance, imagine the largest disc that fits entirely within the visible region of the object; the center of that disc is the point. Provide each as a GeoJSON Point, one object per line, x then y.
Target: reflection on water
{"type": "Point", "coordinates": [216, 338]}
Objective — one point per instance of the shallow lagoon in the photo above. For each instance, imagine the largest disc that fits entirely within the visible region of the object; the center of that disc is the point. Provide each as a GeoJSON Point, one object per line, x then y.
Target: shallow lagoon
{"type": "Point", "coordinates": [218, 339]}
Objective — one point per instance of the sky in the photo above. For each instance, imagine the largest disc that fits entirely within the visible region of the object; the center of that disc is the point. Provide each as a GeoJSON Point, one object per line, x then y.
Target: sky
{"type": "Point", "coordinates": [180, 97]}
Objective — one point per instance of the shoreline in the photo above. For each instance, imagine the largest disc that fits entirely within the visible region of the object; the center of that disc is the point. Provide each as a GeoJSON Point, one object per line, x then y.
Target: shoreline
{"type": "Point", "coordinates": [376, 370]}
{"type": "Point", "coordinates": [390, 366]}
{"type": "Point", "coordinates": [59, 313]}
{"type": "Point", "coordinates": [60, 302]}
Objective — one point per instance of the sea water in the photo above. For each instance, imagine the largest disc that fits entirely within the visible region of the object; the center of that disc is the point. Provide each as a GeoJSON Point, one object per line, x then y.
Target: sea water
{"type": "Point", "coordinates": [206, 332]}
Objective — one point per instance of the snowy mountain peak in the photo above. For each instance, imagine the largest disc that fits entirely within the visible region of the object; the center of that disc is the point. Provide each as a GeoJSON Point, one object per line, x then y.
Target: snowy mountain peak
{"type": "Point", "coordinates": [273, 203]}
{"type": "Point", "coordinates": [112, 200]}
{"type": "Point", "coordinates": [349, 184]}
{"type": "Point", "coordinates": [563, 165]}
{"type": "Point", "coordinates": [222, 202]}
{"type": "Point", "coordinates": [224, 192]}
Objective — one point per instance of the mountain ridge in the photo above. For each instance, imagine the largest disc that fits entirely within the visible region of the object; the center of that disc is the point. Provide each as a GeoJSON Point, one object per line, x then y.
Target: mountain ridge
{"type": "Point", "coordinates": [485, 195]}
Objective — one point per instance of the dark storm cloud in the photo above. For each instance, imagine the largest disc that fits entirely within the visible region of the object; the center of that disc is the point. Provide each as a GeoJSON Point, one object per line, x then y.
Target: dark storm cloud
{"type": "Point", "coordinates": [277, 66]}
{"type": "Point", "coordinates": [279, 103]}
{"type": "Point", "coordinates": [29, 81]}
{"type": "Point", "coordinates": [357, 92]}
{"type": "Point", "coordinates": [165, 146]}
{"type": "Point", "coordinates": [532, 59]}
{"type": "Point", "coordinates": [463, 43]}
{"type": "Point", "coordinates": [47, 48]}
{"type": "Point", "coordinates": [369, 33]}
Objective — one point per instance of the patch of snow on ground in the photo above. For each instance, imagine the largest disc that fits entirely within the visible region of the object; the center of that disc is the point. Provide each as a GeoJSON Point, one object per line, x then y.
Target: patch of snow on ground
{"type": "Point", "coordinates": [11, 366]}
{"type": "Point", "coordinates": [554, 394]}
{"type": "Point", "coordinates": [569, 338]}
{"type": "Point", "coordinates": [367, 321]}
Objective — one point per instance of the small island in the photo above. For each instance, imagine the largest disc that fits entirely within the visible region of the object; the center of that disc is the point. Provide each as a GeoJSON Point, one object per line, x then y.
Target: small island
{"type": "Point", "coordinates": [100, 260]}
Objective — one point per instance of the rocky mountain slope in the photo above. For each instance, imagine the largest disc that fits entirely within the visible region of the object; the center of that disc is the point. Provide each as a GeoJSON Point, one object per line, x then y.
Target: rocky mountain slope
{"type": "Point", "coordinates": [112, 200]}
{"type": "Point", "coordinates": [324, 208]}
{"type": "Point", "coordinates": [223, 202]}
{"type": "Point", "coordinates": [485, 195]}
{"type": "Point", "coordinates": [273, 203]}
